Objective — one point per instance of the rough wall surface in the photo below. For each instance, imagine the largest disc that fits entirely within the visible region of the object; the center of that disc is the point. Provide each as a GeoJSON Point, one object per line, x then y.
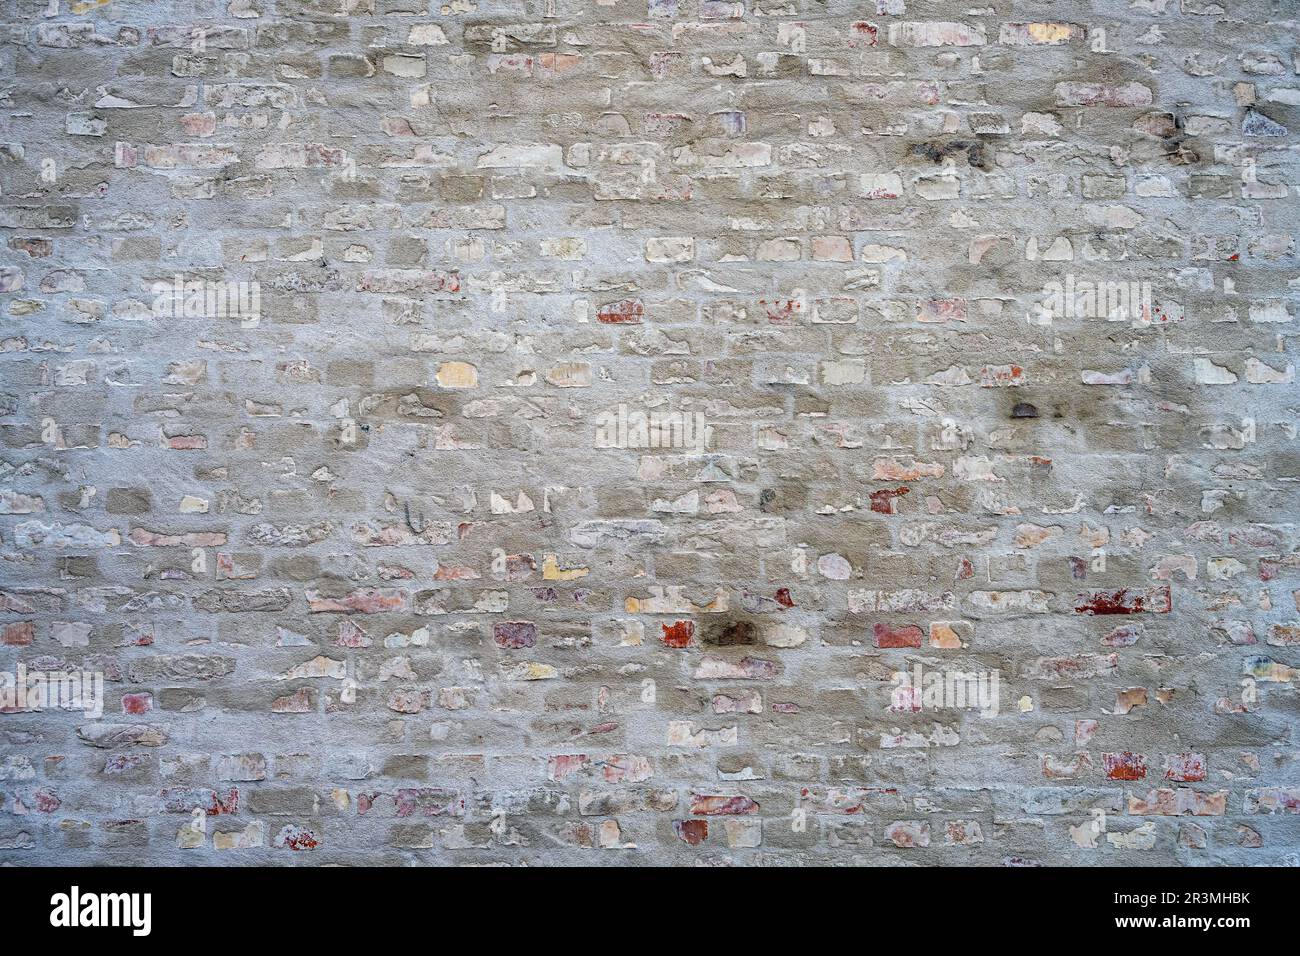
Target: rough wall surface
{"type": "Point", "coordinates": [582, 432]}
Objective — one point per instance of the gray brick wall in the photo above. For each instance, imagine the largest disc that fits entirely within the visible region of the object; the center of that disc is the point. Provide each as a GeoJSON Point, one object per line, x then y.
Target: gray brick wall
{"type": "Point", "coordinates": [591, 432]}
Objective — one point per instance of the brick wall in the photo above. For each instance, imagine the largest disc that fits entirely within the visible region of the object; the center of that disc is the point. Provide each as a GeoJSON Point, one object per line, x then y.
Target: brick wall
{"type": "Point", "coordinates": [592, 432]}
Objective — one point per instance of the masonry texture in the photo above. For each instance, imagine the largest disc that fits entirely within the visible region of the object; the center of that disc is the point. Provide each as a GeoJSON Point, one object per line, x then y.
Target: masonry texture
{"type": "Point", "coordinates": [584, 432]}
